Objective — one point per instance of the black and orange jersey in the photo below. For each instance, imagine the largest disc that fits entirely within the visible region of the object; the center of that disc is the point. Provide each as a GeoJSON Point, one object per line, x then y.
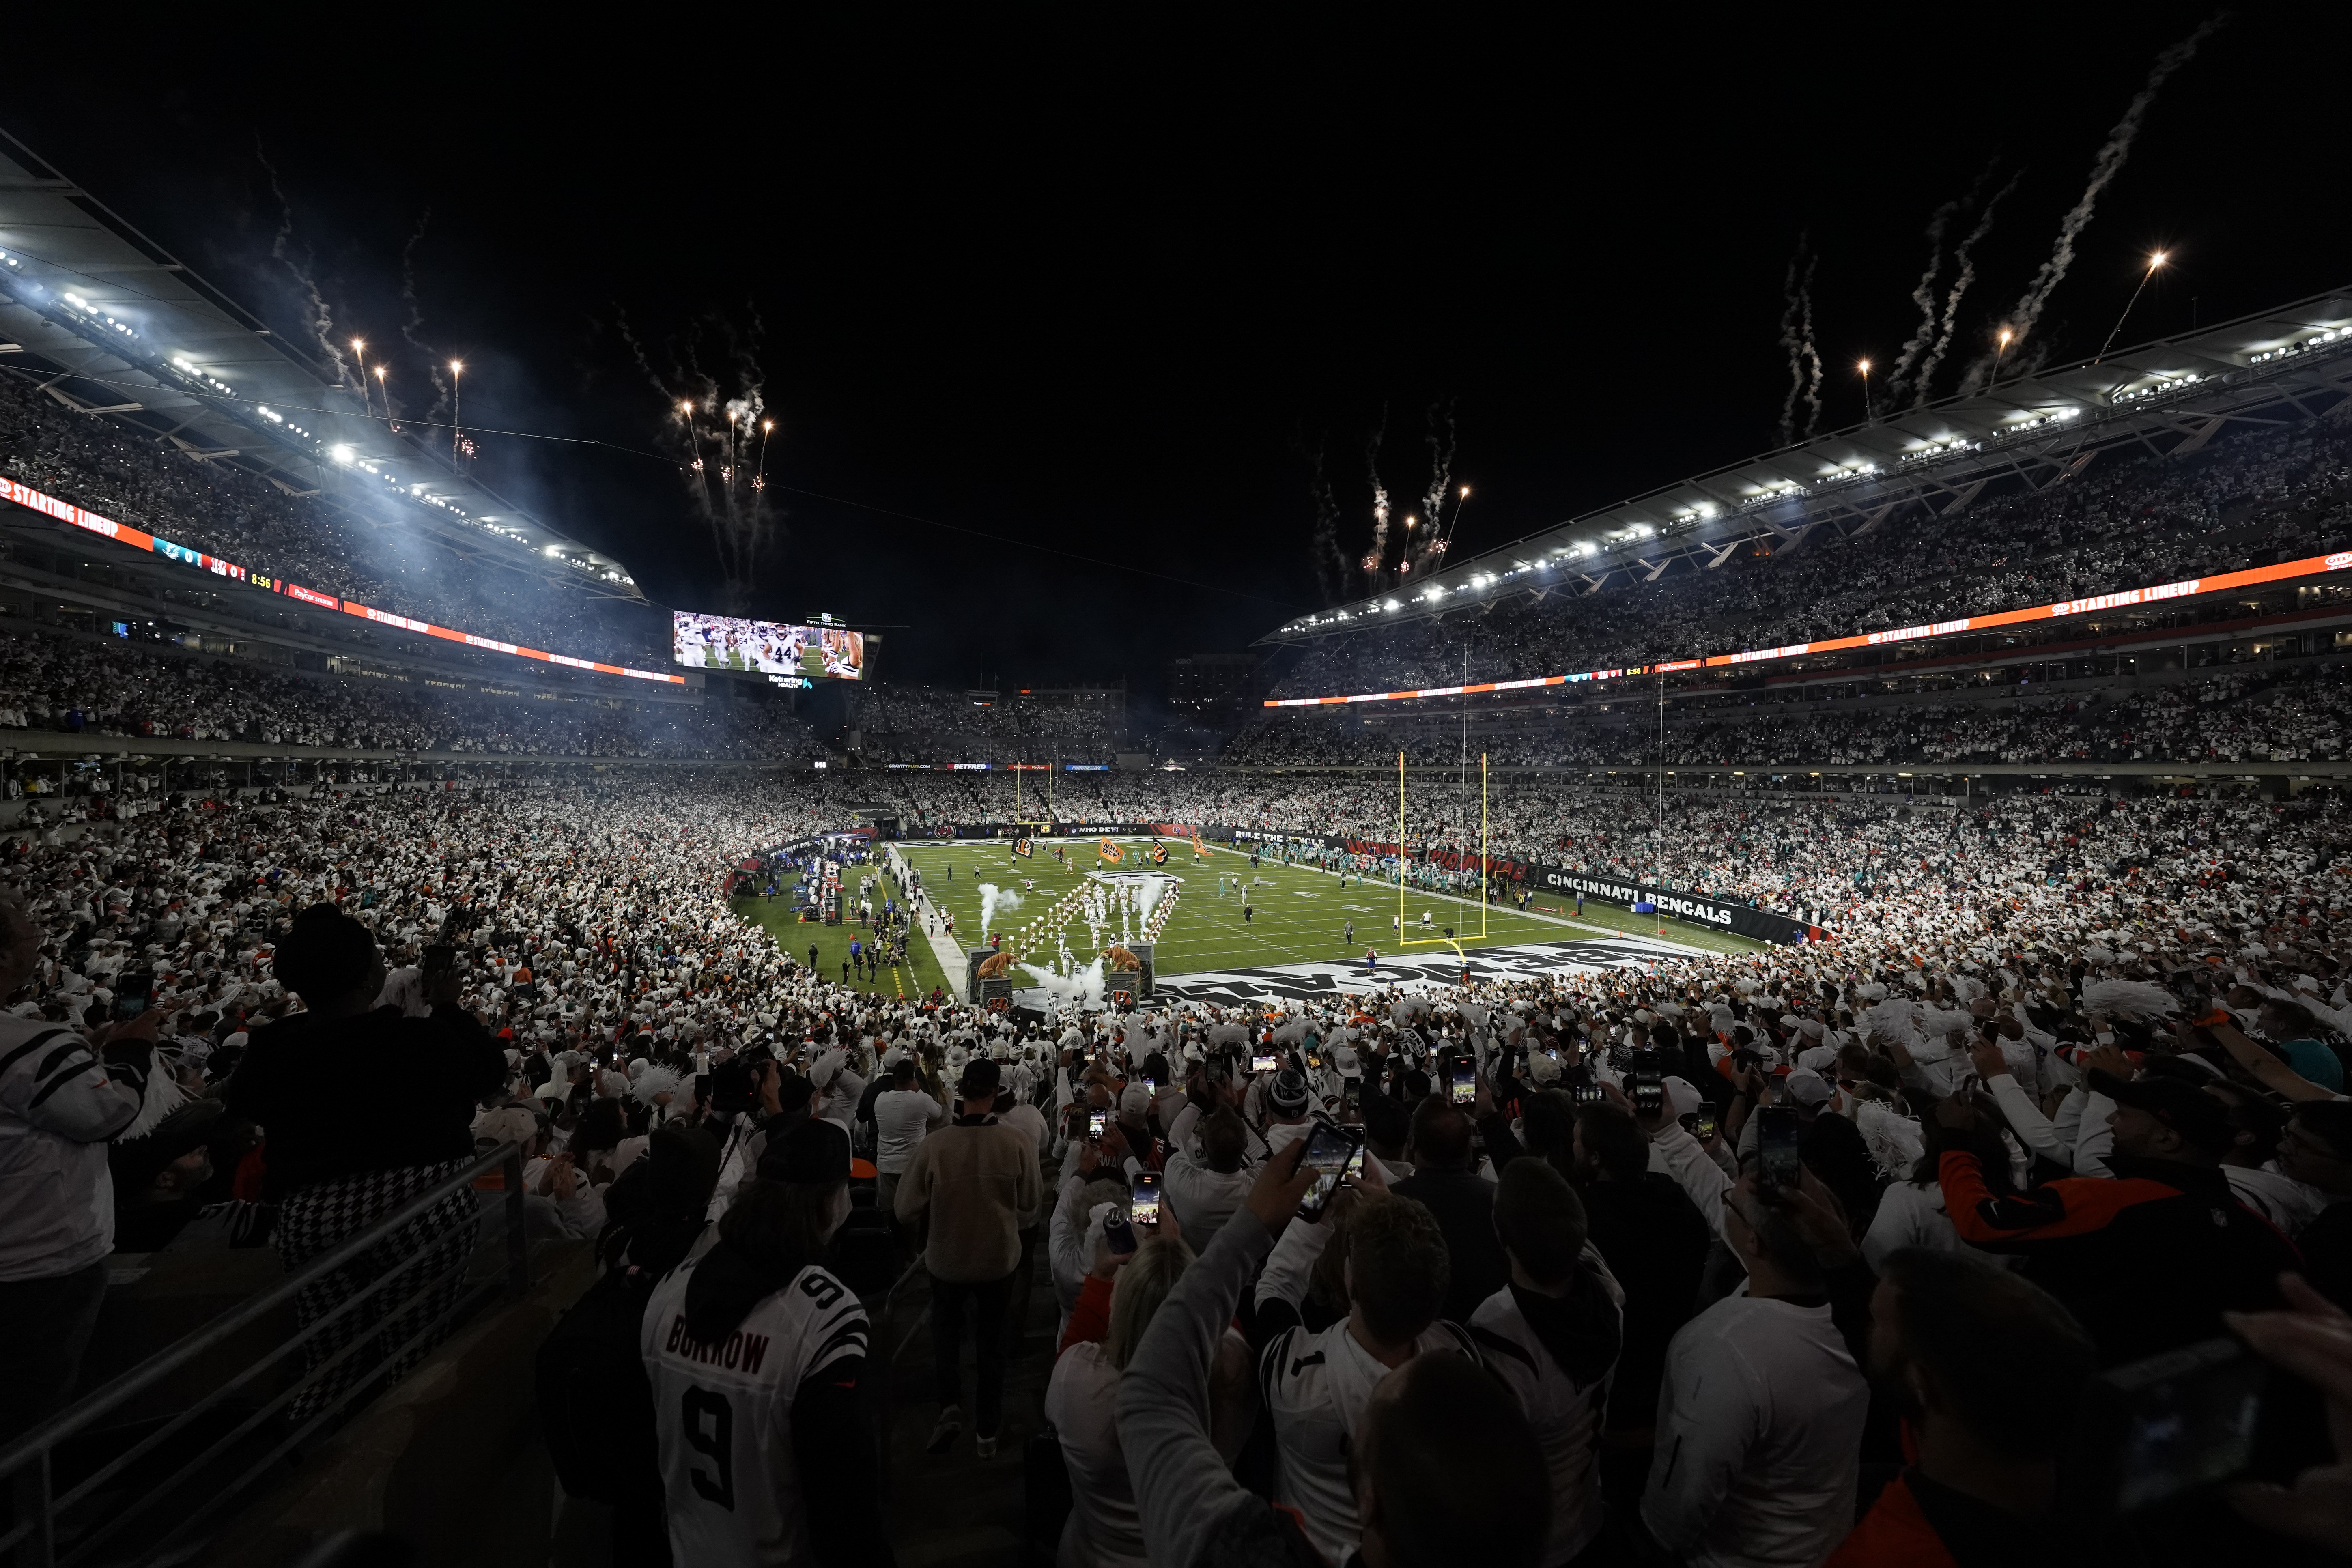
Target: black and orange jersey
{"type": "Point", "coordinates": [2147, 1258]}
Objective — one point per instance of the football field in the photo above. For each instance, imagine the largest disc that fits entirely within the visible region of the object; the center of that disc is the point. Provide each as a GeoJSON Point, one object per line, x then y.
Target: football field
{"type": "Point", "coordinates": [1297, 913]}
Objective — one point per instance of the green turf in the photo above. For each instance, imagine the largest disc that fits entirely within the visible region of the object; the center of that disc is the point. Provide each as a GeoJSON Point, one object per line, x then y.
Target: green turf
{"type": "Point", "coordinates": [1299, 914]}
{"type": "Point", "coordinates": [913, 979]}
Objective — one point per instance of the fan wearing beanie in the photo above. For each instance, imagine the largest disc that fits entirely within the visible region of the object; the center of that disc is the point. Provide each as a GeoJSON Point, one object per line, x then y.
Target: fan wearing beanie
{"type": "Point", "coordinates": [754, 1351]}
{"type": "Point", "coordinates": [361, 1108]}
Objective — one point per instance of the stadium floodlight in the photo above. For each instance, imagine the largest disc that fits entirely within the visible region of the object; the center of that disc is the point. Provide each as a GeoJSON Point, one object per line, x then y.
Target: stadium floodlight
{"type": "Point", "coordinates": [555, 550]}
{"type": "Point", "coordinates": [1392, 605]}
{"type": "Point", "coordinates": [341, 454]}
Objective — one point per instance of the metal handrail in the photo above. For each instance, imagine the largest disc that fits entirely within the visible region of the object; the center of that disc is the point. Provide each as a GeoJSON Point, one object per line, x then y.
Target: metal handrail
{"type": "Point", "coordinates": [26, 1464]}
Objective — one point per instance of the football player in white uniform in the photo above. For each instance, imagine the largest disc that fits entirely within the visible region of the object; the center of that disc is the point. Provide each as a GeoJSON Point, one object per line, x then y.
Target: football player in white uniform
{"type": "Point", "coordinates": [754, 1351]}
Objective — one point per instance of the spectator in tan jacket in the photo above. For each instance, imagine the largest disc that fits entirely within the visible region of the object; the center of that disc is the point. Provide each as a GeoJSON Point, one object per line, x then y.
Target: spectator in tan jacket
{"type": "Point", "coordinates": [975, 1180]}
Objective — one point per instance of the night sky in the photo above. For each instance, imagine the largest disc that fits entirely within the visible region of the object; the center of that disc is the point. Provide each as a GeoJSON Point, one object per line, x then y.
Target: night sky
{"type": "Point", "coordinates": [1100, 288]}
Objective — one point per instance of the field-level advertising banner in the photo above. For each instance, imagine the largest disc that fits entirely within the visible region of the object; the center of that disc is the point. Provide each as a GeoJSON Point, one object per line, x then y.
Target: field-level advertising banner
{"type": "Point", "coordinates": [1061, 830]}
{"type": "Point", "coordinates": [1698, 909]}
{"type": "Point", "coordinates": [766, 647]}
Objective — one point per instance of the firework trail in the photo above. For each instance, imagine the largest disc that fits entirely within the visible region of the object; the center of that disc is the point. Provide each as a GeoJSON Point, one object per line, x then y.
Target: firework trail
{"type": "Point", "coordinates": [1812, 357]}
{"type": "Point", "coordinates": [318, 318]}
{"type": "Point", "coordinates": [2104, 167]}
{"type": "Point", "coordinates": [1964, 259]}
{"type": "Point", "coordinates": [1378, 557]}
{"type": "Point", "coordinates": [1796, 313]}
{"type": "Point", "coordinates": [1331, 570]}
{"type": "Point", "coordinates": [1924, 297]}
{"type": "Point", "coordinates": [743, 527]}
{"type": "Point", "coordinates": [411, 326]}
{"type": "Point", "coordinates": [1441, 480]}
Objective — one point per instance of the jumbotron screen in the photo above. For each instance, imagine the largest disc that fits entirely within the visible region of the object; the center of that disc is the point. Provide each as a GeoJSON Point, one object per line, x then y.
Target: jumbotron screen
{"type": "Point", "coordinates": [769, 647]}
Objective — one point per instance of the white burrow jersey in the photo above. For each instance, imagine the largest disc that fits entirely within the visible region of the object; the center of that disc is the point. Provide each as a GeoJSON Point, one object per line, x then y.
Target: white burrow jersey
{"type": "Point", "coordinates": [724, 1415]}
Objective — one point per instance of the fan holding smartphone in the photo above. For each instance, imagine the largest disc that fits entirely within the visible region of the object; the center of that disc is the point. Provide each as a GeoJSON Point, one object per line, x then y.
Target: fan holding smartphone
{"type": "Point", "coordinates": [1333, 1154]}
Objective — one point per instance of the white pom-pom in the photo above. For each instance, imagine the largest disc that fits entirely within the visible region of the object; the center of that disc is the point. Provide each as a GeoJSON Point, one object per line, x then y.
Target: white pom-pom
{"type": "Point", "coordinates": [654, 1080]}
{"type": "Point", "coordinates": [1895, 1141]}
{"type": "Point", "coordinates": [163, 1097]}
{"type": "Point", "coordinates": [2128, 999]}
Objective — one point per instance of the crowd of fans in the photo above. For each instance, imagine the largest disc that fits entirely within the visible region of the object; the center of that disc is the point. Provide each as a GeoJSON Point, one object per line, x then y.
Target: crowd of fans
{"type": "Point", "coordinates": [2242, 500]}
{"type": "Point", "coordinates": [1854, 1252]}
{"type": "Point", "coordinates": [92, 686]}
{"type": "Point", "coordinates": [926, 724]}
{"type": "Point", "coordinates": [2265, 712]}
{"type": "Point", "coordinates": [1803, 1255]}
{"type": "Point", "coordinates": [215, 507]}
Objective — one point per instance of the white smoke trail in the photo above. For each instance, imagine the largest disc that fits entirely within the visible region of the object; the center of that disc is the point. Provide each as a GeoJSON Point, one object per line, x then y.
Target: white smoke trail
{"type": "Point", "coordinates": [1812, 358]}
{"type": "Point", "coordinates": [1380, 497]}
{"type": "Point", "coordinates": [2103, 168]}
{"type": "Point", "coordinates": [1441, 480]}
{"type": "Point", "coordinates": [1924, 297]}
{"type": "Point", "coordinates": [1332, 574]}
{"type": "Point", "coordinates": [995, 900]}
{"type": "Point", "coordinates": [1964, 258]}
{"type": "Point", "coordinates": [411, 326]}
{"type": "Point", "coordinates": [1148, 896]}
{"type": "Point", "coordinates": [318, 318]}
{"type": "Point", "coordinates": [1797, 337]}
{"type": "Point", "coordinates": [1063, 988]}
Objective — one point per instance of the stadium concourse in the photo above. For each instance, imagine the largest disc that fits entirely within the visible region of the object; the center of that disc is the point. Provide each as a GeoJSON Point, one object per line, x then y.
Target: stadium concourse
{"type": "Point", "coordinates": [428, 1111]}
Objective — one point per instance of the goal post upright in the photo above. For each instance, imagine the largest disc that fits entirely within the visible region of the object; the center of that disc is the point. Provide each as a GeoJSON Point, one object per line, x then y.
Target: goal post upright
{"type": "Point", "coordinates": [1455, 898]}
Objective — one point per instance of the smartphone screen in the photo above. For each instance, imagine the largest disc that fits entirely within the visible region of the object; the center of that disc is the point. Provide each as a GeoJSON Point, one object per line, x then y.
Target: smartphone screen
{"type": "Point", "coordinates": [1150, 1087]}
{"type": "Point", "coordinates": [1589, 1094]}
{"type": "Point", "coordinates": [1261, 1064]}
{"type": "Point", "coordinates": [1328, 1150]}
{"type": "Point", "coordinates": [1463, 1081]}
{"type": "Point", "coordinates": [1647, 1091]}
{"type": "Point", "coordinates": [1705, 1127]}
{"type": "Point", "coordinates": [130, 993]}
{"type": "Point", "coordinates": [1778, 1134]}
{"type": "Point", "coordinates": [1096, 1121]}
{"type": "Point", "coordinates": [2173, 1423]}
{"type": "Point", "coordinates": [1351, 1091]}
{"type": "Point", "coordinates": [1143, 1198]}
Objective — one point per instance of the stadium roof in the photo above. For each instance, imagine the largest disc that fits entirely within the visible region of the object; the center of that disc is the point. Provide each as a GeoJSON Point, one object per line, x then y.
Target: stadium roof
{"type": "Point", "coordinates": [2170, 397]}
{"type": "Point", "coordinates": [121, 328]}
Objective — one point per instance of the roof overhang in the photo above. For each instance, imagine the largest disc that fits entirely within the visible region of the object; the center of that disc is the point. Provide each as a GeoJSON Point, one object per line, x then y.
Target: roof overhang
{"type": "Point", "coordinates": [109, 323]}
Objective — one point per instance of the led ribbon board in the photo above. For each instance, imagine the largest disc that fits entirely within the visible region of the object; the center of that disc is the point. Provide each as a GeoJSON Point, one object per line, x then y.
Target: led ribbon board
{"type": "Point", "coordinates": [123, 533]}
{"type": "Point", "coordinates": [2309, 566]}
